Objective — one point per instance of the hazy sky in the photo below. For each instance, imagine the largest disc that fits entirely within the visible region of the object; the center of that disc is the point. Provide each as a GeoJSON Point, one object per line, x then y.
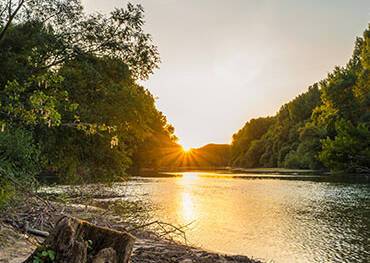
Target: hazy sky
{"type": "Point", "coordinates": [227, 61]}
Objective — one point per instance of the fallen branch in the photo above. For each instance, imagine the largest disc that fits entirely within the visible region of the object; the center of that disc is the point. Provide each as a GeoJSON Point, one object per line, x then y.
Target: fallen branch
{"type": "Point", "coordinates": [36, 232]}
{"type": "Point", "coordinates": [178, 231]}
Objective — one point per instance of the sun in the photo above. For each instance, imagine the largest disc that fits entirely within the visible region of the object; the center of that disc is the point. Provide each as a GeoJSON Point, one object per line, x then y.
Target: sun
{"type": "Point", "coordinates": [186, 149]}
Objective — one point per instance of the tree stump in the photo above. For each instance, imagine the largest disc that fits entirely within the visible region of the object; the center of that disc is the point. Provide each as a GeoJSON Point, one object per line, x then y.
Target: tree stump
{"type": "Point", "coordinates": [77, 241]}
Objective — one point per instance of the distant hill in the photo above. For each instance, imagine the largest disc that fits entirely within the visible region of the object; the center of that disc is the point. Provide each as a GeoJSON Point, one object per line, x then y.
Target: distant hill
{"type": "Point", "coordinates": [215, 155]}
{"type": "Point", "coordinates": [208, 156]}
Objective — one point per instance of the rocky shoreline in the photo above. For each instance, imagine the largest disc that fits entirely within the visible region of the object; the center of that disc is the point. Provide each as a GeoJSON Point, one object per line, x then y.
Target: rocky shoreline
{"type": "Point", "coordinates": [146, 250]}
{"type": "Point", "coordinates": [16, 245]}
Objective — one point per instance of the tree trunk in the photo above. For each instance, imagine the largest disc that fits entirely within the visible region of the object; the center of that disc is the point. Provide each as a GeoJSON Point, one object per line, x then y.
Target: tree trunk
{"type": "Point", "coordinates": [77, 241]}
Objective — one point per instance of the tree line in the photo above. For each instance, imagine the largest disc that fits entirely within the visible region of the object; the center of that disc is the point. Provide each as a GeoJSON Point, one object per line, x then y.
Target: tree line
{"type": "Point", "coordinates": [327, 127]}
{"type": "Point", "coordinates": [70, 102]}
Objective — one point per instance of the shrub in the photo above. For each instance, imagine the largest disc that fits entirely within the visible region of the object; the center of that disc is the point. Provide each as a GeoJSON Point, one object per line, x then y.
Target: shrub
{"type": "Point", "coordinates": [19, 163]}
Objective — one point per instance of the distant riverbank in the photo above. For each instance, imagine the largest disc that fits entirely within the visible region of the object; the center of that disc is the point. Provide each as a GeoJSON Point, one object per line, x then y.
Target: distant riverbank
{"type": "Point", "coordinates": [233, 170]}
{"type": "Point", "coordinates": [259, 173]}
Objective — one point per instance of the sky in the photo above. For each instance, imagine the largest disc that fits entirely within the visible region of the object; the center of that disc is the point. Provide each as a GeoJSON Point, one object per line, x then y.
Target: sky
{"type": "Point", "coordinates": [227, 61]}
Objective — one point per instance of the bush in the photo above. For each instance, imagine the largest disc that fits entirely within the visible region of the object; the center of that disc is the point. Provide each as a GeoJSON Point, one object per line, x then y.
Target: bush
{"type": "Point", "coordinates": [350, 150]}
{"type": "Point", "coordinates": [19, 163]}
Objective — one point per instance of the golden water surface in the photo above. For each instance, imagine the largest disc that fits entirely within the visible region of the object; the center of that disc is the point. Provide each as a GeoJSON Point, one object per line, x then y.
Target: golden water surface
{"type": "Point", "coordinates": [270, 219]}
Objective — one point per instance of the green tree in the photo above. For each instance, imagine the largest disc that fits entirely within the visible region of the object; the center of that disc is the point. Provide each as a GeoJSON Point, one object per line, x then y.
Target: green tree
{"type": "Point", "coordinates": [20, 162]}
{"type": "Point", "coordinates": [266, 142]}
{"type": "Point", "coordinates": [350, 150]}
{"type": "Point", "coordinates": [321, 127]}
{"type": "Point", "coordinates": [242, 140]}
{"type": "Point", "coordinates": [106, 95]}
{"type": "Point", "coordinates": [69, 78]}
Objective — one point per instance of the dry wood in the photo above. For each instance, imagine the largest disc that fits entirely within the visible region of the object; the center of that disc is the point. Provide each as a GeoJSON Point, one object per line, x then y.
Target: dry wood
{"type": "Point", "coordinates": [77, 241]}
{"type": "Point", "coordinates": [36, 232]}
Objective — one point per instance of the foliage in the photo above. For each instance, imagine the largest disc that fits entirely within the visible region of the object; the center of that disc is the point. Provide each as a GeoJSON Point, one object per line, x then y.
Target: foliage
{"type": "Point", "coordinates": [306, 154]}
{"type": "Point", "coordinates": [7, 191]}
{"type": "Point", "coordinates": [20, 161]}
{"type": "Point", "coordinates": [242, 140]}
{"type": "Point", "coordinates": [20, 156]}
{"type": "Point", "coordinates": [105, 93]}
{"type": "Point", "coordinates": [117, 35]}
{"type": "Point", "coordinates": [266, 142]}
{"type": "Point", "coordinates": [154, 150]}
{"type": "Point", "coordinates": [349, 150]}
{"type": "Point", "coordinates": [213, 155]}
{"type": "Point", "coordinates": [70, 80]}
{"type": "Point", "coordinates": [328, 126]}
{"type": "Point", "coordinates": [44, 255]}
{"type": "Point", "coordinates": [346, 97]}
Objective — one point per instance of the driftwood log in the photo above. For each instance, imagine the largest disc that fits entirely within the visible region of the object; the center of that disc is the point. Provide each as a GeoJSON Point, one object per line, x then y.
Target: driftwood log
{"type": "Point", "coordinates": [77, 241]}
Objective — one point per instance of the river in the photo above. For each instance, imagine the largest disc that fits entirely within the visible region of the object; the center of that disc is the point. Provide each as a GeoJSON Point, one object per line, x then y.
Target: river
{"type": "Point", "coordinates": [269, 217]}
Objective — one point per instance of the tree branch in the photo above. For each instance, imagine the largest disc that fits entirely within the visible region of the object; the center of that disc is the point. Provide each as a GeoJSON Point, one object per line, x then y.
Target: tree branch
{"type": "Point", "coordinates": [11, 17]}
{"type": "Point", "coordinates": [10, 9]}
{"type": "Point", "coordinates": [4, 10]}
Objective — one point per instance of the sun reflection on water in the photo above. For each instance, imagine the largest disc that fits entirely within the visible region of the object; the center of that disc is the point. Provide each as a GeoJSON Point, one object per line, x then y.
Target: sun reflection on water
{"type": "Point", "coordinates": [189, 176]}
{"type": "Point", "coordinates": [187, 211]}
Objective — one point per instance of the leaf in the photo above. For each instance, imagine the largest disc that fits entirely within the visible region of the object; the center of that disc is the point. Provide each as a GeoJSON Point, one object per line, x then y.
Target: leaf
{"type": "Point", "coordinates": [51, 254]}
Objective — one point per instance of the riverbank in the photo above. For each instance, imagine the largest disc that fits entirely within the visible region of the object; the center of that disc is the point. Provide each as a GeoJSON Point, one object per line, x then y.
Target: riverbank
{"type": "Point", "coordinates": [150, 247]}
{"type": "Point", "coordinates": [231, 169]}
{"type": "Point", "coordinates": [269, 219]}
{"type": "Point", "coordinates": [263, 173]}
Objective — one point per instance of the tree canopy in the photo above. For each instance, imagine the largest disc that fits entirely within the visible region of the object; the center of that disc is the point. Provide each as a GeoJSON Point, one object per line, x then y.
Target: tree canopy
{"type": "Point", "coordinates": [69, 89]}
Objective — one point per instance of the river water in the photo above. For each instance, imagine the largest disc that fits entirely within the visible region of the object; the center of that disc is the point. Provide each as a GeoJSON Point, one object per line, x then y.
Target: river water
{"type": "Point", "coordinates": [269, 217]}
